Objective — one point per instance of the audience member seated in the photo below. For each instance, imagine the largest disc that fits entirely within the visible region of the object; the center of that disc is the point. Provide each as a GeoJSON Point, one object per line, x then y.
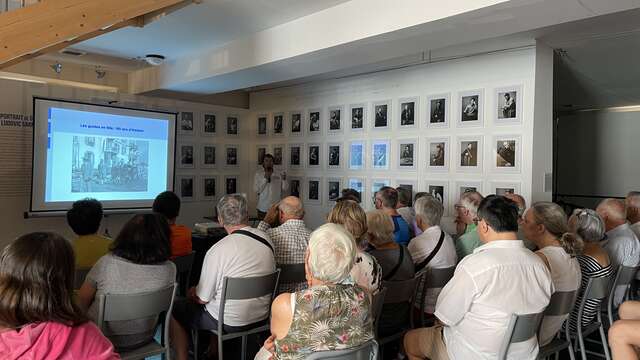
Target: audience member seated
{"type": "Point", "coordinates": [404, 206]}
{"type": "Point", "coordinates": [545, 224]}
{"type": "Point", "coordinates": [84, 218]}
{"type": "Point", "coordinates": [329, 315]}
{"type": "Point", "coordinates": [138, 262]}
{"type": "Point", "coordinates": [632, 203]}
{"type": "Point", "coordinates": [386, 199]}
{"type": "Point", "coordinates": [500, 278]}
{"type": "Point", "coordinates": [414, 226]}
{"type": "Point", "coordinates": [396, 264]}
{"type": "Point", "coordinates": [522, 206]}
{"type": "Point", "coordinates": [168, 204]}
{"type": "Point", "coordinates": [38, 317]}
{"type": "Point", "coordinates": [245, 252]}
{"type": "Point", "coordinates": [366, 271]}
{"type": "Point", "coordinates": [434, 248]}
{"type": "Point", "coordinates": [594, 261]}
{"type": "Point", "coordinates": [350, 194]}
{"type": "Point", "coordinates": [290, 238]}
{"type": "Point", "coordinates": [621, 243]}
{"type": "Point", "coordinates": [624, 335]}
{"type": "Point", "coordinates": [466, 211]}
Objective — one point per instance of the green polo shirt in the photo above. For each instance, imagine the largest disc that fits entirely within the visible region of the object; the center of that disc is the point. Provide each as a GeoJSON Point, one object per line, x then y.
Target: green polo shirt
{"type": "Point", "coordinates": [467, 242]}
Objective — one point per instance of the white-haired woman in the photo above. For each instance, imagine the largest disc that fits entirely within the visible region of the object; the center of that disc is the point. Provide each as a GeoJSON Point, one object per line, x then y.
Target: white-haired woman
{"type": "Point", "coordinates": [328, 315]}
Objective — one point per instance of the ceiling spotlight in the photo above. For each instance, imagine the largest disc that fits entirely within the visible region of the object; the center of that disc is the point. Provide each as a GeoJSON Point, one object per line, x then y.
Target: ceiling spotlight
{"type": "Point", "coordinates": [100, 73]}
{"type": "Point", "coordinates": [57, 67]}
{"type": "Point", "coordinates": [154, 59]}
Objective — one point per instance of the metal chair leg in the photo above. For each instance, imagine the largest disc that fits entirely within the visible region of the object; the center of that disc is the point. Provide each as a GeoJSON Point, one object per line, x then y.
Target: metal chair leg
{"type": "Point", "coordinates": [194, 336]}
{"type": "Point", "coordinates": [220, 352]}
{"type": "Point", "coordinates": [605, 344]}
{"type": "Point", "coordinates": [244, 347]}
{"type": "Point", "coordinates": [583, 351]}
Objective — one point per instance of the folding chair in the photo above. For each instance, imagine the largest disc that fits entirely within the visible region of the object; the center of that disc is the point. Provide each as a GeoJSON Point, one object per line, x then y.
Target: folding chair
{"type": "Point", "coordinates": [366, 351]}
{"type": "Point", "coordinates": [597, 289]}
{"type": "Point", "coordinates": [183, 271]}
{"type": "Point", "coordinates": [122, 307]}
{"type": "Point", "coordinates": [405, 291]}
{"type": "Point", "coordinates": [377, 301]}
{"type": "Point", "coordinates": [291, 274]}
{"type": "Point", "coordinates": [241, 289]}
{"type": "Point", "coordinates": [624, 276]}
{"type": "Point", "coordinates": [433, 279]}
{"type": "Point", "coordinates": [521, 328]}
{"type": "Point", "coordinates": [561, 303]}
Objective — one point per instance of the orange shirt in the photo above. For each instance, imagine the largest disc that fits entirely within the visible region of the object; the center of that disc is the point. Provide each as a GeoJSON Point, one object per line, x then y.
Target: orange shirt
{"type": "Point", "coordinates": [180, 240]}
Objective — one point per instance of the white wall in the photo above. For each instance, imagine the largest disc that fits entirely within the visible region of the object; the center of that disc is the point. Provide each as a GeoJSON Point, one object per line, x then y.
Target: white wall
{"type": "Point", "coordinates": [486, 72]}
{"type": "Point", "coordinates": [15, 156]}
{"type": "Point", "coordinates": [543, 125]}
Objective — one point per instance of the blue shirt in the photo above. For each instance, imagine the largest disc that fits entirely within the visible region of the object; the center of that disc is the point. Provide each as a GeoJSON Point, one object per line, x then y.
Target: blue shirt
{"type": "Point", "coordinates": [400, 230]}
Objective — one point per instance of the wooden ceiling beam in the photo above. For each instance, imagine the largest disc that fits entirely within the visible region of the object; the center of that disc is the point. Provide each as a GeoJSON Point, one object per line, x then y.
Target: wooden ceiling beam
{"type": "Point", "coordinates": [52, 25]}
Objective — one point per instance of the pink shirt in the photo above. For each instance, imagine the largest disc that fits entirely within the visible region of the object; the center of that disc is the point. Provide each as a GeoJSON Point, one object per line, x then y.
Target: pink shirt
{"type": "Point", "coordinates": [52, 340]}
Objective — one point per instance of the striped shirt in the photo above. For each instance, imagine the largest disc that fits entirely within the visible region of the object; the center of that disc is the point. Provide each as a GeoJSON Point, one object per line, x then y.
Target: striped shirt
{"type": "Point", "coordinates": [590, 269]}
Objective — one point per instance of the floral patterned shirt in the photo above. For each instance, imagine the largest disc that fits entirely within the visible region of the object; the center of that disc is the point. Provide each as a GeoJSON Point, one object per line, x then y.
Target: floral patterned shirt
{"type": "Point", "coordinates": [326, 317]}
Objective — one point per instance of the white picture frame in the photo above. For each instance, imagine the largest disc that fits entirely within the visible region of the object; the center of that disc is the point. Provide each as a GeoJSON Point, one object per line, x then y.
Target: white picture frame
{"type": "Point", "coordinates": [335, 119]}
{"type": "Point", "coordinates": [506, 153]}
{"type": "Point", "coordinates": [381, 115]}
{"type": "Point", "coordinates": [465, 117]}
{"type": "Point", "coordinates": [277, 124]}
{"type": "Point", "coordinates": [262, 125]}
{"type": "Point", "coordinates": [334, 188]}
{"type": "Point", "coordinates": [186, 187]}
{"type": "Point", "coordinates": [377, 183]}
{"type": "Point", "coordinates": [206, 192]}
{"type": "Point", "coordinates": [380, 151]}
{"type": "Point", "coordinates": [357, 154]}
{"type": "Point", "coordinates": [408, 112]}
{"type": "Point", "coordinates": [209, 123]}
{"type": "Point", "coordinates": [358, 184]}
{"type": "Point", "coordinates": [438, 117]}
{"type": "Point", "coordinates": [407, 154]}
{"type": "Point", "coordinates": [208, 156]}
{"type": "Point", "coordinates": [438, 150]}
{"type": "Point", "coordinates": [462, 185]}
{"type": "Point", "coordinates": [502, 187]}
{"type": "Point", "coordinates": [187, 155]}
{"type": "Point", "coordinates": [296, 123]}
{"type": "Point", "coordinates": [469, 153]}
{"type": "Point", "coordinates": [230, 181]}
{"type": "Point", "coordinates": [505, 114]}
{"type": "Point", "coordinates": [335, 161]}
{"type": "Point", "coordinates": [439, 189]}
{"type": "Point", "coordinates": [292, 186]}
{"type": "Point", "coordinates": [314, 123]}
{"type": "Point", "coordinates": [358, 117]}
{"type": "Point", "coordinates": [411, 184]}
{"type": "Point", "coordinates": [313, 193]}
{"type": "Point", "coordinates": [232, 125]}
{"type": "Point", "coordinates": [314, 155]}
{"type": "Point", "coordinates": [260, 155]}
{"type": "Point", "coordinates": [278, 152]}
{"type": "Point", "coordinates": [186, 123]}
{"type": "Point", "coordinates": [231, 156]}
{"type": "Point", "coordinates": [291, 156]}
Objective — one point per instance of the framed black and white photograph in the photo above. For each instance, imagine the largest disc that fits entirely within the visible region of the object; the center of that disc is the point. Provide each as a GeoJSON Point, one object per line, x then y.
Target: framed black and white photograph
{"type": "Point", "coordinates": [334, 185]}
{"type": "Point", "coordinates": [438, 110]}
{"type": "Point", "coordinates": [407, 154]}
{"type": "Point", "coordinates": [335, 119]}
{"type": "Point", "coordinates": [438, 151]}
{"type": "Point", "coordinates": [295, 123]}
{"type": "Point", "coordinates": [408, 112]}
{"type": "Point", "coordinates": [334, 155]}
{"type": "Point", "coordinates": [295, 156]}
{"type": "Point", "coordinates": [187, 156]}
{"type": "Point", "coordinates": [261, 151]}
{"type": "Point", "coordinates": [380, 154]}
{"type": "Point", "coordinates": [507, 151]}
{"type": "Point", "coordinates": [503, 188]}
{"type": "Point", "coordinates": [439, 190]}
{"type": "Point", "coordinates": [358, 113]}
{"type": "Point", "coordinates": [357, 184]}
{"type": "Point", "coordinates": [278, 124]}
{"type": "Point", "coordinates": [262, 125]}
{"type": "Point", "coordinates": [376, 184]}
{"type": "Point", "coordinates": [231, 152]}
{"type": "Point", "coordinates": [313, 193]}
{"type": "Point", "coordinates": [356, 155]}
{"type": "Point", "coordinates": [232, 125]}
{"type": "Point", "coordinates": [186, 123]}
{"type": "Point", "coordinates": [509, 105]}
{"type": "Point", "coordinates": [208, 156]}
{"type": "Point", "coordinates": [381, 114]}
{"type": "Point", "coordinates": [278, 156]}
{"type": "Point", "coordinates": [208, 186]}
{"type": "Point", "coordinates": [466, 186]}
{"type": "Point", "coordinates": [209, 124]}
{"type": "Point", "coordinates": [315, 122]}
{"type": "Point", "coordinates": [409, 185]}
{"type": "Point", "coordinates": [313, 155]}
{"type": "Point", "coordinates": [186, 187]}
{"type": "Point", "coordinates": [470, 153]}
{"type": "Point", "coordinates": [471, 108]}
{"type": "Point", "coordinates": [295, 186]}
{"type": "Point", "coordinates": [230, 184]}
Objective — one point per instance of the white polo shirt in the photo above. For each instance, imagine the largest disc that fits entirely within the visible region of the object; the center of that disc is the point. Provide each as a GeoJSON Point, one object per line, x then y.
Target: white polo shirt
{"type": "Point", "coordinates": [236, 255]}
{"type": "Point", "coordinates": [500, 278]}
{"type": "Point", "coordinates": [268, 192]}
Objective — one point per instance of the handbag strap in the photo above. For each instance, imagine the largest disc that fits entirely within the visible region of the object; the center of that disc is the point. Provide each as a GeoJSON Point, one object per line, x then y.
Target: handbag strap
{"type": "Point", "coordinates": [397, 267]}
{"type": "Point", "coordinates": [252, 235]}
{"type": "Point", "coordinates": [433, 253]}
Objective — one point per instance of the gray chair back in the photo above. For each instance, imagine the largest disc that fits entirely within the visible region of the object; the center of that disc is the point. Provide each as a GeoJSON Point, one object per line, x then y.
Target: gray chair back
{"type": "Point", "coordinates": [561, 303]}
{"type": "Point", "coordinates": [405, 291]}
{"type": "Point", "coordinates": [377, 302]}
{"type": "Point", "coordinates": [79, 278]}
{"type": "Point", "coordinates": [597, 289]}
{"type": "Point", "coordinates": [366, 351]}
{"type": "Point", "coordinates": [437, 278]}
{"type": "Point", "coordinates": [184, 264]}
{"type": "Point", "coordinates": [521, 328]}
{"type": "Point", "coordinates": [624, 276]}
{"type": "Point", "coordinates": [292, 273]}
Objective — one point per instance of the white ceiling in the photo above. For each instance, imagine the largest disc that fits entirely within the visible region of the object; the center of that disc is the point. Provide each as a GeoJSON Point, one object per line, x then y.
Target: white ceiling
{"type": "Point", "coordinates": [210, 24]}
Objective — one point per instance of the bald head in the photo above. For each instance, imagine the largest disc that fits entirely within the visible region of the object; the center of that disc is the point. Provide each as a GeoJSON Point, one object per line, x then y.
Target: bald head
{"type": "Point", "coordinates": [519, 200]}
{"type": "Point", "coordinates": [613, 212]}
{"type": "Point", "coordinates": [291, 208]}
{"type": "Point", "coordinates": [632, 203]}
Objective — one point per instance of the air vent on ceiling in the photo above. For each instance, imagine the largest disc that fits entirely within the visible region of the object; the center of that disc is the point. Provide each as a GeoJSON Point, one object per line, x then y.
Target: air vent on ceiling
{"type": "Point", "coordinates": [73, 52]}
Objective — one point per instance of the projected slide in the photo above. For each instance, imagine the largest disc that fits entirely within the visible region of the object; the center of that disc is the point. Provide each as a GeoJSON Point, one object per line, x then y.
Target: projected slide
{"type": "Point", "coordinates": [106, 156]}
